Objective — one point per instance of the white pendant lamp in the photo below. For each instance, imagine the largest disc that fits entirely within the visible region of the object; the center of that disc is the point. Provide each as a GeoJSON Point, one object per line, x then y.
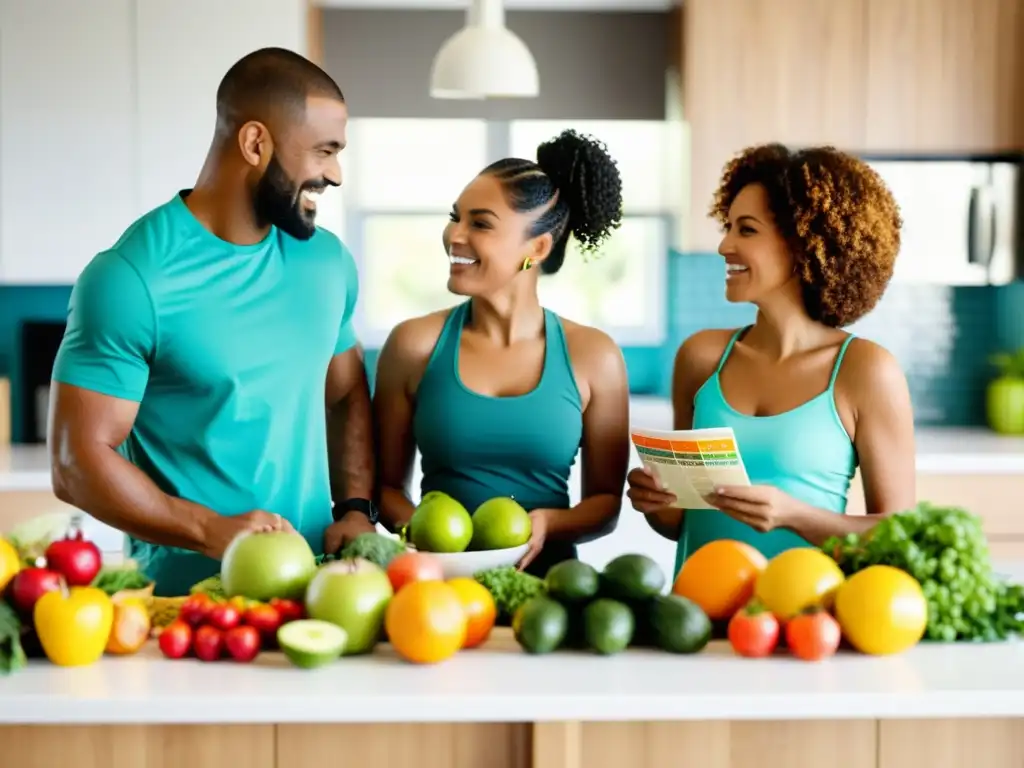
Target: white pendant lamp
{"type": "Point", "coordinates": [484, 59]}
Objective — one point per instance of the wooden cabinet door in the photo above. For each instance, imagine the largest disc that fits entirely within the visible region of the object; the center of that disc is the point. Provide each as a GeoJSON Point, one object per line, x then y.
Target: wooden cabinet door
{"type": "Point", "coordinates": [945, 75]}
{"type": "Point", "coordinates": [767, 70]}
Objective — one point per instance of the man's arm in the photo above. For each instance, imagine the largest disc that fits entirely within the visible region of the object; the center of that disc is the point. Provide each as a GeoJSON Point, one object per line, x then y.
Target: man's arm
{"type": "Point", "coordinates": [100, 375]}
{"type": "Point", "coordinates": [349, 421]}
{"type": "Point", "coordinates": [85, 430]}
{"type": "Point", "coordinates": [349, 427]}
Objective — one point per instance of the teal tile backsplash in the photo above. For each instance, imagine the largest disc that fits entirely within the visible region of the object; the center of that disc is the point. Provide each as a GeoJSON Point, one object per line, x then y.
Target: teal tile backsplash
{"type": "Point", "coordinates": [942, 336]}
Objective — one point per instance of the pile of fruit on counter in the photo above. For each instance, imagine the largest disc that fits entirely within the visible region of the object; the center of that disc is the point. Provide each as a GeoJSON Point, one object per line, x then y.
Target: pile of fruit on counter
{"type": "Point", "coordinates": [61, 603]}
{"type": "Point", "coordinates": [922, 574]}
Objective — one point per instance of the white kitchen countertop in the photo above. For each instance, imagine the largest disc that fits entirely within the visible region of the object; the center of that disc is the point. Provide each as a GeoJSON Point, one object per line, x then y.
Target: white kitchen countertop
{"type": "Point", "coordinates": [500, 683]}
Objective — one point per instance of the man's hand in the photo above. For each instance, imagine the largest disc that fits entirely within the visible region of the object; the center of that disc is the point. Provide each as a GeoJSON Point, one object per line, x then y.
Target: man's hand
{"type": "Point", "coordinates": [220, 530]}
{"type": "Point", "coordinates": [342, 532]}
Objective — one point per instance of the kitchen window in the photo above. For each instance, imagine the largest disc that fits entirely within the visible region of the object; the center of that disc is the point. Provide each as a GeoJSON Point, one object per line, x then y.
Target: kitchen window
{"type": "Point", "coordinates": [402, 175]}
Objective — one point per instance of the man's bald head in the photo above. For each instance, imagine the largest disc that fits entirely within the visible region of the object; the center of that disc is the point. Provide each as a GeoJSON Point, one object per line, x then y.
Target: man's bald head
{"type": "Point", "coordinates": [281, 122]}
{"type": "Point", "coordinates": [270, 85]}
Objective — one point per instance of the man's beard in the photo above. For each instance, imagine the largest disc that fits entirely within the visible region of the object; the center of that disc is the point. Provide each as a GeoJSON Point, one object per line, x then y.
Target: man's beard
{"type": "Point", "coordinates": [277, 200]}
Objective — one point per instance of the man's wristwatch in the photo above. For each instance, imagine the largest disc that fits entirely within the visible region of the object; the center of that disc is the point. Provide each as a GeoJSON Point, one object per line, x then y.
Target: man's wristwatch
{"type": "Point", "coordinates": [364, 506]}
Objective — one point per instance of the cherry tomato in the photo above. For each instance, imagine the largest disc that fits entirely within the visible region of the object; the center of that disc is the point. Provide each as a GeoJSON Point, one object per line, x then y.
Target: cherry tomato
{"type": "Point", "coordinates": [753, 631]}
{"type": "Point", "coordinates": [813, 635]}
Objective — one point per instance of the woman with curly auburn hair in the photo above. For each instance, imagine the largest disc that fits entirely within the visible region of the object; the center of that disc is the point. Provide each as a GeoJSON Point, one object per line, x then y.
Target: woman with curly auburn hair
{"type": "Point", "coordinates": [498, 393]}
{"type": "Point", "coordinates": [810, 238]}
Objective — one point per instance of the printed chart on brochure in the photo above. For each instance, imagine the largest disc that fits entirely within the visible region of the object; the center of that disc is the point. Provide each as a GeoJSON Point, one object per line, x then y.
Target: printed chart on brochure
{"type": "Point", "coordinates": [692, 462]}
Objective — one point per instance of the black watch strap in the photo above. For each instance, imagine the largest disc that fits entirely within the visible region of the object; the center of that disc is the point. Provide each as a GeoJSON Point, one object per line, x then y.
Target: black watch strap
{"type": "Point", "coordinates": [365, 506]}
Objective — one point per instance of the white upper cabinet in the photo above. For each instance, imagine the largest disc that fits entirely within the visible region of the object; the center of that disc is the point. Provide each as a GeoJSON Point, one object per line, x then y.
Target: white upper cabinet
{"type": "Point", "coordinates": [184, 47]}
{"type": "Point", "coordinates": [68, 182]}
{"type": "Point", "coordinates": [107, 109]}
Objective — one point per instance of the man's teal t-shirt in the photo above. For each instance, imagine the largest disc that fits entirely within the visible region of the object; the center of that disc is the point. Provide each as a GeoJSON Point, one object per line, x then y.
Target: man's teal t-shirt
{"type": "Point", "coordinates": [226, 350]}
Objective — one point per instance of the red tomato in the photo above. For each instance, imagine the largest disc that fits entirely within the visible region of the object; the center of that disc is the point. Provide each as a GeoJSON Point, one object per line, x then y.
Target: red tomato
{"type": "Point", "coordinates": [813, 635]}
{"type": "Point", "coordinates": [753, 631]}
{"type": "Point", "coordinates": [413, 566]}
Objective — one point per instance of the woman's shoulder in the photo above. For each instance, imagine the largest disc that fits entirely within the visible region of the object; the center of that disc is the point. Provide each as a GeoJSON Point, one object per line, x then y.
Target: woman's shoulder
{"type": "Point", "coordinates": [868, 368]}
{"type": "Point", "coordinates": [590, 346]}
{"type": "Point", "coordinates": [414, 339]}
{"type": "Point", "coordinates": [702, 351]}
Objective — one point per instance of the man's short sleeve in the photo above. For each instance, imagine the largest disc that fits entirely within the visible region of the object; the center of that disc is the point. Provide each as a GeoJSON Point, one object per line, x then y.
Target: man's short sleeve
{"type": "Point", "coordinates": [347, 332]}
{"type": "Point", "coordinates": [111, 330]}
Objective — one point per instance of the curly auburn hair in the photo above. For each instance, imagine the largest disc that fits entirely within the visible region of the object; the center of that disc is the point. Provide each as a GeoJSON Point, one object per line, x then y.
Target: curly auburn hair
{"type": "Point", "coordinates": [838, 217]}
{"type": "Point", "coordinates": [578, 179]}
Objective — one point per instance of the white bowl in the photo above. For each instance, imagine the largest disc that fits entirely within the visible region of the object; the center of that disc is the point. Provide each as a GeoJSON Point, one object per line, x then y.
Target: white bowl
{"type": "Point", "coordinates": [458, 564]}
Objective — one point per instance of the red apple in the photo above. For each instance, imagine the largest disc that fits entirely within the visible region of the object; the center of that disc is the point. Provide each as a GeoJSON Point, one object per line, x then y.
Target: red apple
{"type": "Point", "coordinates": [29, 584]}
{"type": "Point", "coordinates": [224, 616]}
{"type": "Point", "coordinates": [74, 558]}
{"type": "Point", "coordinates": [264, 618]}
{"type": "Point", "coordinates": [196, 610]}
{"type": "Point", "coordinates": [290, 610]}
{"type": "Point", "coordinates": [175, 640]}
{"type": "Point", "coordinates": [209, 643]}
{"type": "Point", "coordinates": [242, 643]}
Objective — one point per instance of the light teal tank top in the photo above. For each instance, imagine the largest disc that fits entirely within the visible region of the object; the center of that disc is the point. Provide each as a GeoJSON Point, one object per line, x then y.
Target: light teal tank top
{"type": "Point", "coordinates": [805, 452]}
{"type": "Point", "coordinates": [475, 447]}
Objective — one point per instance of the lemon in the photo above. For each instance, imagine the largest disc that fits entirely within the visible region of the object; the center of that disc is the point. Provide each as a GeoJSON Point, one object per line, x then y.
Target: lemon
{"type": "Point", "coordinates": [797, 579]}
{"type": "Point", "coordinates": [882, 610]}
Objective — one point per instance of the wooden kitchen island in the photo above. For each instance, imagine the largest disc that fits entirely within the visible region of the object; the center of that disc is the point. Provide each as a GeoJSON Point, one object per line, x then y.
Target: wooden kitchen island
{"type": "Point", "coordinates": [938, 706]}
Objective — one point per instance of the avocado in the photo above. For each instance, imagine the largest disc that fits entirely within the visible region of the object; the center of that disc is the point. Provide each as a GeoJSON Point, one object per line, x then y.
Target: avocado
{"type": "Point", "coordinates": [608, 625]}
{"type": "Point", "coordinates": [678, 625]}
{"type": "Point", "coordinates": [540, 625]}
{"type": "Point", "coordinates": [572, 581]}
{"type": "Point", "coordinates": [632, 578]}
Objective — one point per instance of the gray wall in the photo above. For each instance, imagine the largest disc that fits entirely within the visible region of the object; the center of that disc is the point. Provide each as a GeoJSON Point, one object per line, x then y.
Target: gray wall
{"type": "Point", "coordinates": [593, 66]}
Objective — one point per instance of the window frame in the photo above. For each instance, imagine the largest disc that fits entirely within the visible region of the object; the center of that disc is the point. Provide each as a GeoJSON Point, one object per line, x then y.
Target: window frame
{"type": "Point", "coordinates": [653, 332]}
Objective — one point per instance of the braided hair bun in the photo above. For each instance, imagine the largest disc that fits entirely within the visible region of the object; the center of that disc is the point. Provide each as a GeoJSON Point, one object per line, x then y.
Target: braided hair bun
{"type": "Point", "coordinates": [587, 179]}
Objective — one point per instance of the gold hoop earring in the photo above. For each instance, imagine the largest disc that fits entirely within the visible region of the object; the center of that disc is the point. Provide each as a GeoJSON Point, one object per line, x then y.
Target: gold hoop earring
{"type": "Point", "coordinates": [527, 264]}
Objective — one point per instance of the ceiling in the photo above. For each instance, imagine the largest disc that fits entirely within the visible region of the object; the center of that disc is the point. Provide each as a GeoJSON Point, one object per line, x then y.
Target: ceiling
{"type": "Point", "coordinates": [512, 5]}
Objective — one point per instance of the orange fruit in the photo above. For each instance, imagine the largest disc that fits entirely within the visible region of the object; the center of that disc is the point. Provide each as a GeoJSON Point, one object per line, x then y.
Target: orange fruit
{"type": "Point", "coordinates": [481, 612]}
{"type": "Point", "coordinates": [720, 577]}
{"type": "Point", "coordinates": [425, 622]}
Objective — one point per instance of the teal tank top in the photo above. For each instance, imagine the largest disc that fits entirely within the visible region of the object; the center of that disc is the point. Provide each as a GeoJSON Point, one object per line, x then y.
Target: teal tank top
{"type": "Point", "coordinates": [805, 452]}
{"type": "Point", "coordinates": [475, 447]}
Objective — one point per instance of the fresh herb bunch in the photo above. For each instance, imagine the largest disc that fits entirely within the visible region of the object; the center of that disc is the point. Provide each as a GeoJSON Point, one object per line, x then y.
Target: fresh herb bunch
{"type": "Point", "coordinates": [12, 653]}
{"type": "Point", "coordinates": [945, 549]}
{"type": "Point", "coordinates": [510, 588]}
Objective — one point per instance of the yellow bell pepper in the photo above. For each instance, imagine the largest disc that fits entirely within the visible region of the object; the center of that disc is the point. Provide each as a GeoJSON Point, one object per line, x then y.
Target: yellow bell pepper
{"type": "Point", "coordinates": [10, 563]}
{"type": "Point", "coordinates": [74, 625]}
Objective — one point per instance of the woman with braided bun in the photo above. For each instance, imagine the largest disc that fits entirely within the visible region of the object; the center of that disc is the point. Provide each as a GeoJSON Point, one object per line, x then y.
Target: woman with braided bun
{"type": "Point", "coordinates": [810, 238]}
{"type": "Point", "coordinates": [498, 393]}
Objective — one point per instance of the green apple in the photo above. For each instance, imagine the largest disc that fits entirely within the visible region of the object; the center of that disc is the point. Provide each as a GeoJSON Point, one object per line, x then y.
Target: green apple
{"type": "Point", "coordinates": [261, 566]}
{"type": "Point", "coordinates": [1004, 405]}
{"type": "Point", "coordinates": [440, 524]}
{"type": "Point", "coordinates": [500, 523]}
{"type": "Point", "coordinates": [351, 594]}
